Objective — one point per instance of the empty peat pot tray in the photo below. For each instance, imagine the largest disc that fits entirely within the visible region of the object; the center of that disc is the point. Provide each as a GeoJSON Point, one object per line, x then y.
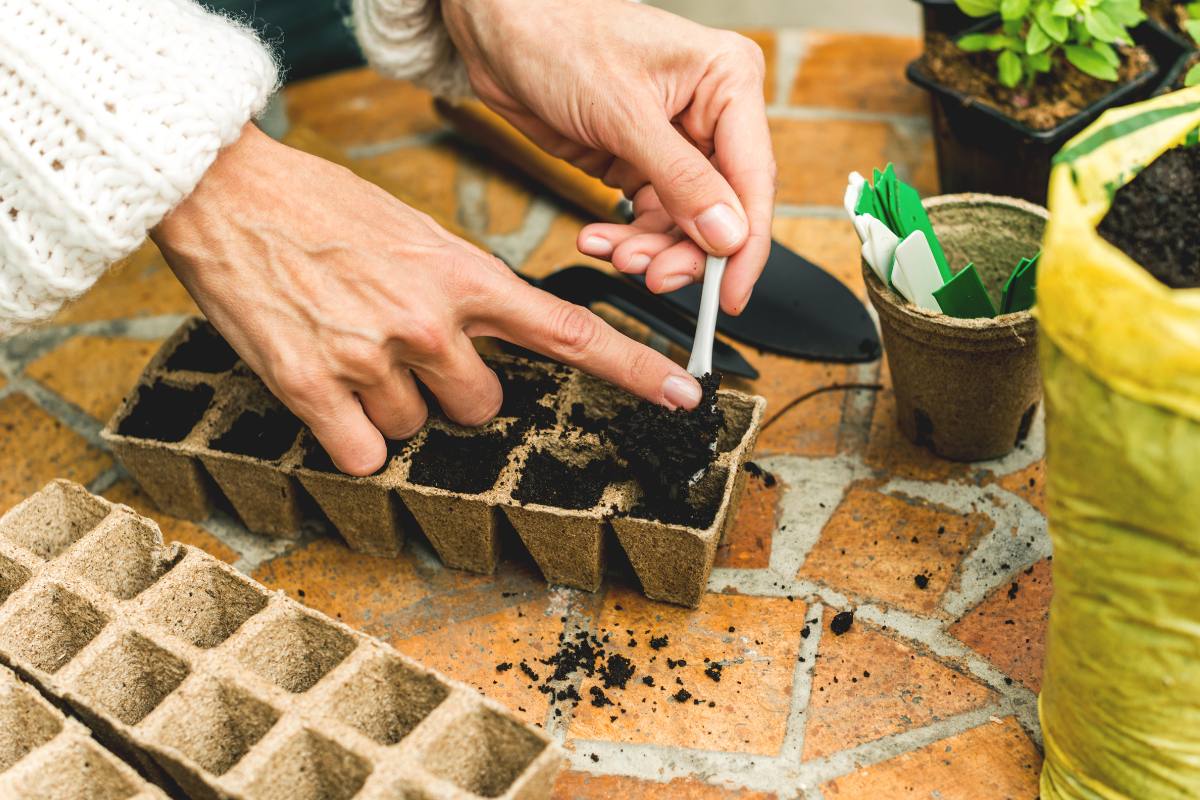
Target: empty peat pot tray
{"type": "Point", "coordinates": [200, 429]}
{"type": "Point", "coordinates": [214, 687]}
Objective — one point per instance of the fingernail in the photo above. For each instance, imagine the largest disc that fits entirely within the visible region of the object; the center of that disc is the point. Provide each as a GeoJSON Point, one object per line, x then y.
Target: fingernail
{"type": "Point", "coordinates": [597, 246]}
{"type": "Point", "coordinates": [721, 227]}
{"type": "Point", "coordinates": [638, 262]}
{"type": "Point", "coordinates": [681, 392]}
{"type": "Point", "coordinates": [673, 282]}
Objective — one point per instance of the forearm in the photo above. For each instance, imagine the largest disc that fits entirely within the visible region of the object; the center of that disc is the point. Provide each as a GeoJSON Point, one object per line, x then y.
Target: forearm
{"type": "Point", "coordinates": [112, 113]}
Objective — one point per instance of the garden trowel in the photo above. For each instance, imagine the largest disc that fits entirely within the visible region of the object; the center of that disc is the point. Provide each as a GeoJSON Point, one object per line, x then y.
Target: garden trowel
{"type": "Point", "coordinates": [797, 308]}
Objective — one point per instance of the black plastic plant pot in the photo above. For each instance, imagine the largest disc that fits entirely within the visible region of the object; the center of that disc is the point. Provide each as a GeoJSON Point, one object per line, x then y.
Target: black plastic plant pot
{"type": "Point", "coordinates": [943, 16]}
{"type": "Point", "coordinates": [981, 149]}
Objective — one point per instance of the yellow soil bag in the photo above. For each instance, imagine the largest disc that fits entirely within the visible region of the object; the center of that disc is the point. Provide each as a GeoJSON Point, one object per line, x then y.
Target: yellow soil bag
{"type": "Point", "coordinates": [1120, 703]}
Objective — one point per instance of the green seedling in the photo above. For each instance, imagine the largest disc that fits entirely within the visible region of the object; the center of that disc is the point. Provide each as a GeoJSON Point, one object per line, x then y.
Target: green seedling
{"type": "Point", "coordinates": [1035, 34]}
{"type": "Point", "coordinates": [1193, 28]}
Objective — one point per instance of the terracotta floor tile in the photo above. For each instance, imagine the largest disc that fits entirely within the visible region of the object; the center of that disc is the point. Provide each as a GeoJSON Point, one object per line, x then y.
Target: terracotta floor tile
{"type": "Point", "coordinates": [391, 598]}
{"type": "Point", "coordinates": [991, 762]}
{"type": "Point", "coordinates": [1009, 626]}
{"type": "Point", "coordinates": [747, 543]}
{"type": "Point", "coordinates": [866, 686]}
{"type": "Point", "coordinates": [810, 428]}
{"type": "Point", "coordinates": [751, 700]}
{"type": "Point", "coordinates": [3, 381]}
{"type": "Point", "coordinates": [876, 545]}
{"type": "Point", "coordinates": [557, 249]}
{"type": "Point", "coordinates": [424, 176]}
{"type": "Point", "coordinates": [35, 448]}
{"type": "Point", "coordinates": [93, 372]}
{"type": "Point", "coordinates": [1029, 484]}
{"type": "Point", "coordinates": [857, 71]}
{"type": "Point", "coordinates": [360, 106]}
{"type": "Point", "coordinates": [889, 450]}
{"type": "Point", "coordinates": [141, 285]}
{"type": "Point", "coordinates": [471, 650]}
{"type": "Point", "coordinates": [584, 786]}
{"type": "Point", "coordinates": [766, 40]}
{"type": "Point", "coordinates": [173, 529]}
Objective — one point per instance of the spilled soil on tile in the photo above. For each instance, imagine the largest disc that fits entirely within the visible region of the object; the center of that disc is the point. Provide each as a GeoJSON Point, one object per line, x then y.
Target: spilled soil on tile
{"type": "Point", "coordinates": [1153, 218]}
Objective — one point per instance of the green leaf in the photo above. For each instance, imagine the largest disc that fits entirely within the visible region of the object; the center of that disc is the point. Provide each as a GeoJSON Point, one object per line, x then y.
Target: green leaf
{"type": "Point", "coordinates": [1064, 8]}
{"type": "Point", "coordinates": [1108, 53]}
{"type": "Point", "coordinates": [1193, 10]}
{"type": "Point", "coordinates": [975, 42]}
{"type": "Point", "coordinates": [1101, 26]}
{"type": "Point", "coordinates": [1193, 27]}
{"type": "Point", "coordinates": [1193, 77]}
{"type": "Point", "coordinates": [1014, 9]}
{"type": "Point", "coordinates": [1011, 69]}
{"type": "Point", "coordinates": [978, 8]}
{"type": "Point", "coordinates": [1088, 61]}
{"type": "Point", "coordinates": [1037, 41]}
{"type": "Point", "coordinates": [1126, 13]}
{"type": "Point", "coordinates": [1039, 63]}
{"type": "Point", "coordinates": [1054, 26]}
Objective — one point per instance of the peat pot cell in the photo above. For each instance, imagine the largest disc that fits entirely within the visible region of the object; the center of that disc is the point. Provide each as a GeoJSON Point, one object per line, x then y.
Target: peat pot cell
{"type": "Point", "coordinates": [466, 463]}
{"type": "Point", "coordinates": [309, 767]}
{"type": "Point", "coordinates": [25, 722]}
{"type": "Point", "coordinates": [524, 393]}
{"type": "Point", "coordinates": [81, 770]}
{"type": "Point", "coordinates": [564, 479]}
{"type": "Point", "coordinates": [122, 559]}
{"type": "Point", "coordinates": [203, 351]}
{"type": "Point", "coordinates": [697, 509]}
{"type": "Point", "coordinates": [201, 603]}
{"type": "Point", "coordinates": [483, 752]}
{"type": "Point", "coordinates": [53, 520]}
{"type": "Point", "coordinates": [266, 436]}
{"type": "Point", "coordinates": [212, 723]}
{"type": "Point", "coordinates": [295, 650]}
{"type": "Point", "coordinates": [12, 577]}
{"type": "Point", "coordinates": [315, 457]}
{"type": "Point", "coordinates": [739, 412]}
{"type": "Point", "coordinates": [49, 627]}
{"type": "Point", "coordinates": [386, 699]}
{"type": "Point", "coordinates": [130, 677]}
{"type": "Point", "coordinates": [165, 413]}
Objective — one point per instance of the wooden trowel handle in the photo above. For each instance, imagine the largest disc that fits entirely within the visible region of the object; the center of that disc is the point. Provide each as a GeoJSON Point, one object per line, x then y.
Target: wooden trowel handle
{"type": "Point", "coordinates": [489, 130]}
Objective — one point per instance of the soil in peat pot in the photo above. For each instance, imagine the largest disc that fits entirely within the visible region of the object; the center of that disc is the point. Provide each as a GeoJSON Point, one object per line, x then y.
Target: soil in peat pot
{"type": "Point", "coordinates": [468, 464]}
{"type": "Point", "coordinates": [522, 396]}
{"type": "Point", "coordinates": [665, 449]}
{"type": "Point", "coordinates": [267, 436]}
{"type": "Point", "coordinates": [551, 481]}
{"type": "Point", "coordinates": [1153, 218]}
{"type": "Point", "coordinates": [1054, 98]}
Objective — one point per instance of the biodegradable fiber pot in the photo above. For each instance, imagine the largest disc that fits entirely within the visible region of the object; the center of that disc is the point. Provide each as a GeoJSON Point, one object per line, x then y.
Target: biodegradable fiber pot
{"type": "Point", "coordinates": [966, 388]}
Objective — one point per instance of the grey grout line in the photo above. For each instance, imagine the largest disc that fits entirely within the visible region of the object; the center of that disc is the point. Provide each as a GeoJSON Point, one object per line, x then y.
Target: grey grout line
{"type": "Point", "coordinates": [105, 480]}
{"type": "Point", "coordinates": [374, 149]}
{"type": "Point", "coordinates": [791, 45]}
{"type": "Point", "coordinates": [470, 191]}
{"type": "Point", "coordinates": [516, 247]}
{"type": "Point", "coordinates": [793, 211]}
{"type": "Point", "coordinates": [65, 412]}
{"type": "Point", "coordinates": [802, 678]}
{"type": "Point", "coordinates": [253, 549]}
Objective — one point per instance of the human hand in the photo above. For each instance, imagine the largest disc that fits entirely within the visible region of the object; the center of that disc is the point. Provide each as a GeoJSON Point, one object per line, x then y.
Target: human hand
{"type": "Point", "coordinates": [341, 297]}
{"type": "Point", "coordinates": [669, 111]}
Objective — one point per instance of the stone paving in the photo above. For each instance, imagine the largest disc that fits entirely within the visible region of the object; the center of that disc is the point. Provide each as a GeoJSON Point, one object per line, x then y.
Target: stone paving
{"type": "Point", "coordinates": [930, 692]}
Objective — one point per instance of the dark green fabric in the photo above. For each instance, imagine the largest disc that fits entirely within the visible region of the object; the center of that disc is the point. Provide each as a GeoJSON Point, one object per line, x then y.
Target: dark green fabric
{"type": "Point", "coordinates": [311, 37]}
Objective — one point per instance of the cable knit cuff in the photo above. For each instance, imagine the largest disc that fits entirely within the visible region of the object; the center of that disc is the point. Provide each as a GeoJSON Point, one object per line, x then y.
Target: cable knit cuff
{"type": "Point", "coordinates": [407, 39]}
{"type": "Point", "coordinates": [110, 113]}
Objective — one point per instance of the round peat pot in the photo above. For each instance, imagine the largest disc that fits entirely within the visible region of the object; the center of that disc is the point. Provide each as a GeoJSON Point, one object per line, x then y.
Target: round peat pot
{"type": "Point", "coordinates": [981, 149]}
{"type": "Point", "coordinates": [966, 388]}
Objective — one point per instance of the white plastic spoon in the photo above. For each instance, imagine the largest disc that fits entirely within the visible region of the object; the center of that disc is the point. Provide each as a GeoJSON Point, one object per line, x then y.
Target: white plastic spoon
{"type": "Point", "coordinates": [700, 364]}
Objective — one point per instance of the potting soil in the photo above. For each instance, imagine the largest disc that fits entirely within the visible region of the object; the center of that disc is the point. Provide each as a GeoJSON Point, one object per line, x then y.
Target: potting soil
{"type": "Point", "coordinates": [1155, 218]}
{"type": "Point", "coordinates": [552, 481]}
{"type": "Point", "coordinates": [1054, 97]}
{"type": "Point", "coordinates": [468, 464]}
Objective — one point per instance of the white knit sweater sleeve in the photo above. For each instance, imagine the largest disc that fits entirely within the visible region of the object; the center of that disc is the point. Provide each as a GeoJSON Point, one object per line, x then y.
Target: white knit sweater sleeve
{"type": "Point", "coordinates": [110, 112]}
{"type": "Point", "coordinates": [406, 39]}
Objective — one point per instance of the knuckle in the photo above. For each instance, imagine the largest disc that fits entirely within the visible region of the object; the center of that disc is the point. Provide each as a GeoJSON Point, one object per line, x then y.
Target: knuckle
{"type": "Point", "coordinates": [574, 331]}
{"type": "Point", "coordinates": [426, 338]}
{"type": "Point", "coordinates": [689, 176]}
{"type": "Point", "coordinates": [640, 363]}
{"type": "Point", "coordinates": [300, 385]}
{"type": "Point", "coordinates": [362, 361]}
{"type": "Point", "coordinates": [411, 423]}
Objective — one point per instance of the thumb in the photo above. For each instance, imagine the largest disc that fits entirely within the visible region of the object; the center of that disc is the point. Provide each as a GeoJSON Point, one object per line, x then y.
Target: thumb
{"type": "Point", "coordinates": [692, 191]}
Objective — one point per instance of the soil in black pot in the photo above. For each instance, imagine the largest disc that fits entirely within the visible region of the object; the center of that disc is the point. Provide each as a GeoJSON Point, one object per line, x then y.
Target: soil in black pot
{"type": "Point", "coordinates": [665, 449]}
{"type": "Point", "coordinates": [1054, 98]}
{"type": "Point", "coordinates": [1168, 13]}
{"type": "Point", "coordinates": [1153, 218]}
{"type": "Point", "coordinates": [468, 464]}
{"type": "Point", "coordinates": [1181, 81]}
{"type": "Point", "coordinates": [551, 481]}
